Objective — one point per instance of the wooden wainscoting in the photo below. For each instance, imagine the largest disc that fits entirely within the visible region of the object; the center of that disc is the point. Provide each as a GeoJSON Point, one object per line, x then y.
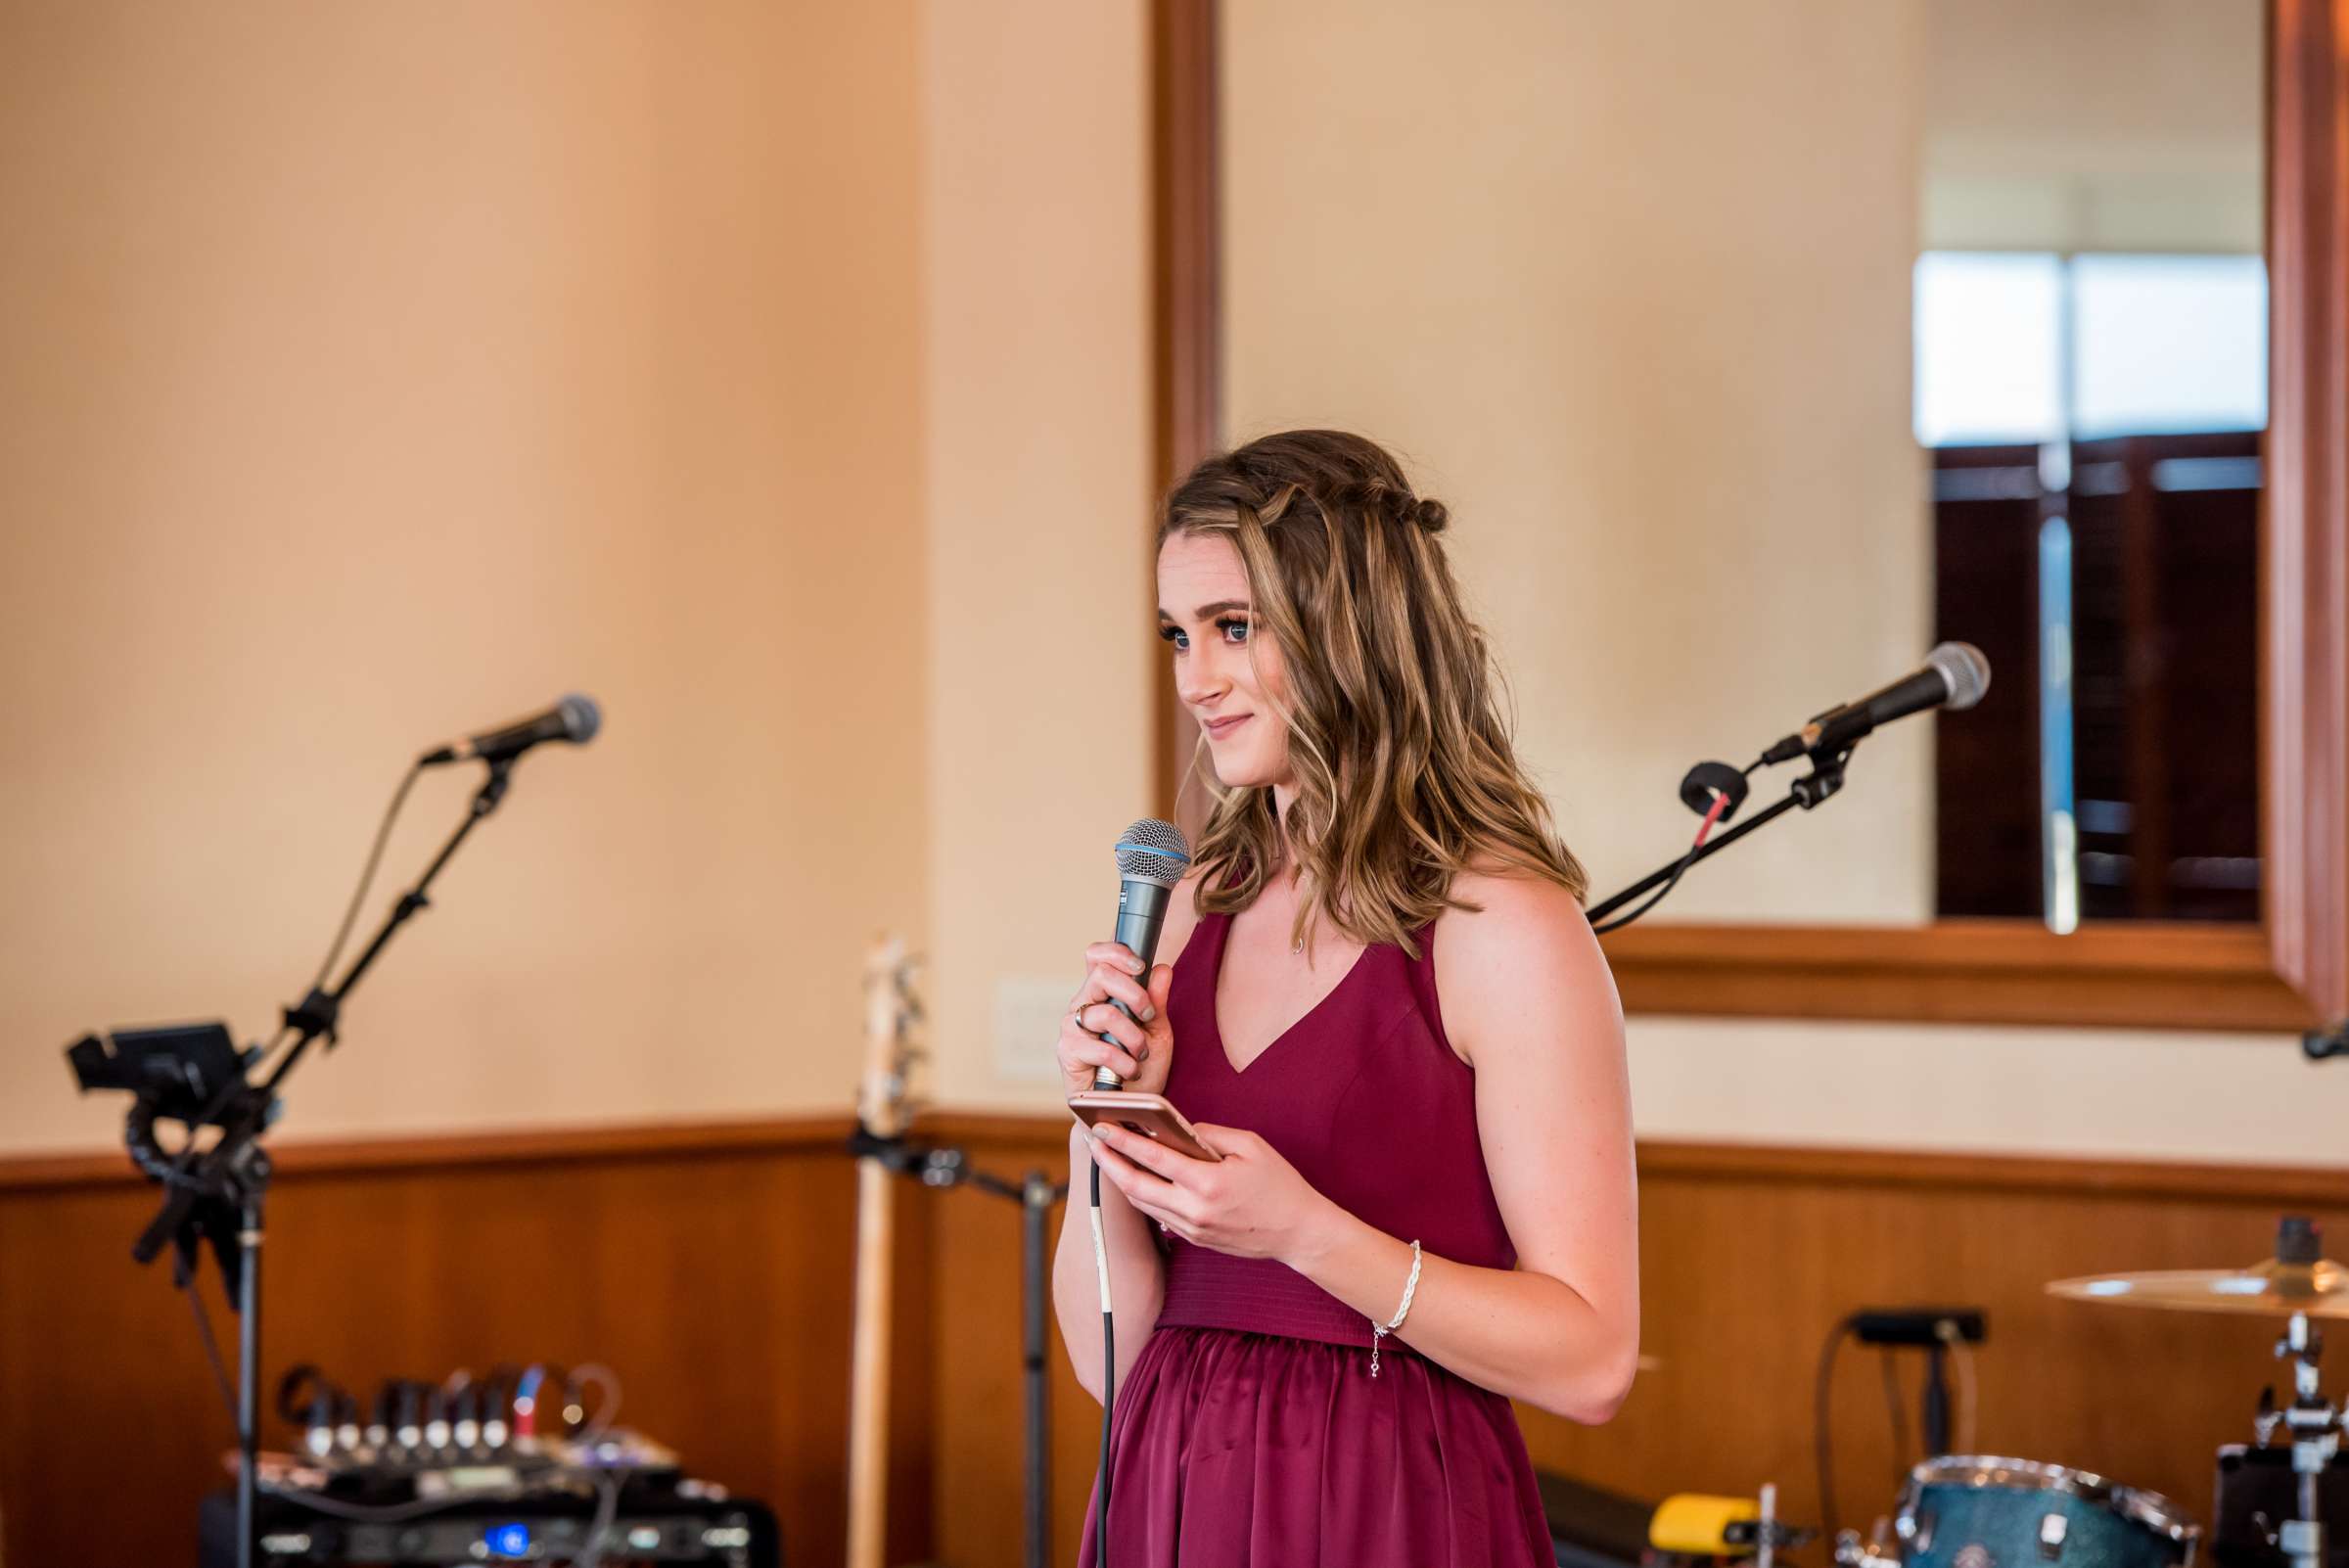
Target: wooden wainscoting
{"type": "Point", "coordinates": [711, 1267]}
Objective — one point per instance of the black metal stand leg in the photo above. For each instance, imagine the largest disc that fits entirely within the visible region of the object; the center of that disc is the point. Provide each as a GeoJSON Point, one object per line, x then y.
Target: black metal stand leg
{"type": "Point", "coordinates": [1037, 1196]}
{"type": "Point", "coordinates": [249, 1371]}
{"type": "Point", "coordinates": [1936, 1415]}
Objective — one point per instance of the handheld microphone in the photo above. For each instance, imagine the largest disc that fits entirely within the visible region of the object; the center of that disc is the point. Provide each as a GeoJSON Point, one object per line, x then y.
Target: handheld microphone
{"type": "Point", "coordinates": [1151, 858]}
{"type": "Point", "coordinates": [575, 719]}
{"type": "Point", "coordinates": [1954, 675]}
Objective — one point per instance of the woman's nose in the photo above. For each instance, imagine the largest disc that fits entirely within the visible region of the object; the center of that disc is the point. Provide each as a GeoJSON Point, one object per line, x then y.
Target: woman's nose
{"type": "Point", "coordinates": [1198, 681]}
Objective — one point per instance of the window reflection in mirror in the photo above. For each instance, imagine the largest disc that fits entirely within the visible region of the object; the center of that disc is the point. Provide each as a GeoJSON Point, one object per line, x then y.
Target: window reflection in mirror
{"type": "Point", "coordinates": [2090, 334]}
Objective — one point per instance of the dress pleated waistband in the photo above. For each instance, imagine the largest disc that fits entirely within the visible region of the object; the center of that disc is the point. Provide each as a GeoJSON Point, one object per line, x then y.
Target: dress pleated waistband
{"type": "Point", "coordinates": [1209, 1289]}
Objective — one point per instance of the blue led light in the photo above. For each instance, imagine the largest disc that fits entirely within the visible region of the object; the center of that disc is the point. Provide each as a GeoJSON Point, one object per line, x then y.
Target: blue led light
{"type": "Point", "coordinates": [510, 1540]}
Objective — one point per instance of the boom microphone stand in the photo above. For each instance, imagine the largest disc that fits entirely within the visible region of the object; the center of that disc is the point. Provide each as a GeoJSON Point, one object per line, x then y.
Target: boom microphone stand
{"type": "Point", "coordinates": [1036, 1194]}
{"type": "Point", "coordinates": [1715, 790]}
{"type": "Point", "coordinates": [219, 1194]}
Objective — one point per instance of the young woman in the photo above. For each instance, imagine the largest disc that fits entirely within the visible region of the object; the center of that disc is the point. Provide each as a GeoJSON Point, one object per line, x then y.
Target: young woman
{"type": "Point", "coordinates": [1389, 1016]}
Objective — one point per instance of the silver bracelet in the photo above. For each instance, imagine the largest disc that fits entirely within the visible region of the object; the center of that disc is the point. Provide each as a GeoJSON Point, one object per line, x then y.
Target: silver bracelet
{"type": "Point", "coordinates": [1379, 1330]}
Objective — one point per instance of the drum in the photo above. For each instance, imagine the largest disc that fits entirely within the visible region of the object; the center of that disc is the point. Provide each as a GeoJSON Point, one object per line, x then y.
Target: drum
{"type": "Point", "coordinates": [1967, 1512]}
{"type": "Point", "coordinates": [2257, 1493]}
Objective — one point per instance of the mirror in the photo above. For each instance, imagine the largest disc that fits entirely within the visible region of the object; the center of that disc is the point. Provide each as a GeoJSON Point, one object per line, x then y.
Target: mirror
{"type": "Point", "coordinates": [1757, 349]}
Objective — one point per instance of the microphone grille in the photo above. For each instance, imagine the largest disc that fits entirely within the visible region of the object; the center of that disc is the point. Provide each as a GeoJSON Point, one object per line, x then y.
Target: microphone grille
{"type": "Point", "coordinates": [582, 718]}
{"type": "Point", "coordinates": [1151, 851]}
{"type": "Point", "coordinates": [1967, 673]}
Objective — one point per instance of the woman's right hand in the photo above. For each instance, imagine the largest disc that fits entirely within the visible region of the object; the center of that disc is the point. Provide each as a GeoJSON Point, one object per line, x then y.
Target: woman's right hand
{"type": "Point", "coordinates": [1143, 1052]}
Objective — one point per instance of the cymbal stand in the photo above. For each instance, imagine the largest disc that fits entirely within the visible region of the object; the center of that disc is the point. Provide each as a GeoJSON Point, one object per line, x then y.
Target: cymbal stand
{"type": "Point", "coordinates": [2315, 1424]}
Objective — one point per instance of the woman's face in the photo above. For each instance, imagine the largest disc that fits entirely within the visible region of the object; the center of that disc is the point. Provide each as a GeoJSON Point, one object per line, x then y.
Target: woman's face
{"type": "Point", "coordinates": [1229, 679]}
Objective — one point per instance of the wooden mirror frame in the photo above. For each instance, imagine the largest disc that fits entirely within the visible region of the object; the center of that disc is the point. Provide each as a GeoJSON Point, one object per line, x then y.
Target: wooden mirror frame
{"type": "Point", "coordinates": [2289, 972]}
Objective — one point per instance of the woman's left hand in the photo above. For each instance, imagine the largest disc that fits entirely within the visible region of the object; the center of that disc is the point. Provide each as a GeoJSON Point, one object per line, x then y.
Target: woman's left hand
{"type": "Point", "coordinates": [1251, 1202]}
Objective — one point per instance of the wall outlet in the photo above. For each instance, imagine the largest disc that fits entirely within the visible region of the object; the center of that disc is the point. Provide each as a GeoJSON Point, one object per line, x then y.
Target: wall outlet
{"type": "Point", "coordinates": [1028, 1009]}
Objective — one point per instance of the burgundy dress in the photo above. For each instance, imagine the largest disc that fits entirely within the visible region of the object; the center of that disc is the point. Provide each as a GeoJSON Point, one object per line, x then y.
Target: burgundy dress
{"type": "Point", "coordinates": [1248, 1433]}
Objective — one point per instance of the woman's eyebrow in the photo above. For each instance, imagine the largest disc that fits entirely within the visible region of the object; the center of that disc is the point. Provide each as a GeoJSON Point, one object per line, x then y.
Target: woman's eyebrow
{"type": "Point", "coordinates": [1206, 610]}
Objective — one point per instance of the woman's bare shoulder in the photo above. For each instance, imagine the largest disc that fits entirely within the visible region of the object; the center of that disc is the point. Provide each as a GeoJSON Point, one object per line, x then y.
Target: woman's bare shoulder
{"type": "Point", "coordinates": [1183, 914]}
{"type": "Point", "coordinates": [1503, 897]}
{"type": "Point", "coordinates": [1526, 938]}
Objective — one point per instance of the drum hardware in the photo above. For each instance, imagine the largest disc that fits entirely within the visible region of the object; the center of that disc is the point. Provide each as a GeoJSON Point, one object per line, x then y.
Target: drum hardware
{"type": "Point", "coordinates": [2300, 1284]}
{"type": "Point", "coordinates": [2255, 1491]}
{"type": "Point", "coordinates": [1942, 1333]}
{"type": "Point", "coordinates": [1939, 1332]}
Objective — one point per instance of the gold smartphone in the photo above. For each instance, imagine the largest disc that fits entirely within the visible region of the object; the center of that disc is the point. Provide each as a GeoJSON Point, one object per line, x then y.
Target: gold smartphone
{"type": "Point", "coordinates": [1146, 1114]}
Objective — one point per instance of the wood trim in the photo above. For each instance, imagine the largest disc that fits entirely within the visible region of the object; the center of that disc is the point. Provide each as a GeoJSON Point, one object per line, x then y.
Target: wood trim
{"type": "Point", "coordinates": [2291, 972]}
{"type": "Point", "coordinates": [1187, 308]}
{"type": "Point", "coordinates": [453, 1150]}
{"type": "Point", "coordinates": [2171, 975]}
{"type": "Point", "coordinates": [2308, 1185]}
{"type": "Point", "coordinates": [2305, 735]}
{"type": "Point", "coordinates": [1043, 1137]}
{"type": "Point", "coordinates": [1014, 1135]}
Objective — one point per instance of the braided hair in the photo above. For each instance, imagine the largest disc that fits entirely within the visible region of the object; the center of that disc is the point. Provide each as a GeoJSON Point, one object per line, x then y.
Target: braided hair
{"type": "Point", "coordinates": [1406, 769]}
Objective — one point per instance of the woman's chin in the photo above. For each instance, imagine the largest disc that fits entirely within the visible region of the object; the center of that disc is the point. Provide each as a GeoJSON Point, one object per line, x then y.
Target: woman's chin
{"type": "Point", "coordinates": [1236, 774]}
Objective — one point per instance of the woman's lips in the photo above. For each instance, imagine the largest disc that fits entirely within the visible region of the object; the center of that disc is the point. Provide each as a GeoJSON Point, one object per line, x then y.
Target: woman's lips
{"type": "Point", "coordinates": [1218, 728]}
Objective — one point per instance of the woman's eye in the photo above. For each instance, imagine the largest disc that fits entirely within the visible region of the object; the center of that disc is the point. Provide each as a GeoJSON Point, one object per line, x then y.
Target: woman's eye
{"type": "Point", "coordinates": [1174, 634]}
{"type": "Point", "coordinates": [1227, 628]}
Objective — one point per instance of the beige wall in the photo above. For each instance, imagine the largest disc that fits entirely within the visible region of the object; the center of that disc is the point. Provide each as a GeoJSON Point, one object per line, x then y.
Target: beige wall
{"type": "Point", "coordinates": [1038, 458]}
{"type": "Point", "coordinates": [1629, 287]}
{"type": "Point", "coordinates": [780, 379]}
{"type": "Point", "coordinates": [373, 372]}
{"type": "Point", "coordinates": [2094, 124]}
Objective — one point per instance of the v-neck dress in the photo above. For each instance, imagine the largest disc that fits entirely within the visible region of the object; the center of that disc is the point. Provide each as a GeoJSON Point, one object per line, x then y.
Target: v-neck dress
{"type": "Point", "coordinates": [1250, 1432]}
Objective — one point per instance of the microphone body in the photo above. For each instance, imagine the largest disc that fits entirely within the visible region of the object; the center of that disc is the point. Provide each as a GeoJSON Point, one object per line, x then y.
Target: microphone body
{"type": "Point", "coordinates": [1954, 675]}
{"type": "Point", "coordinates": [1151, 855]}
{"type": "Point", "coordinates": [1142, 916]}
{"type": "Point", "coordinates": [575, 719]}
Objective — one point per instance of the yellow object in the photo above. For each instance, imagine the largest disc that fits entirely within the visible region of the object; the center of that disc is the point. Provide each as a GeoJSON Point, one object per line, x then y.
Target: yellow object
{"type": "Point", "coordinates": [1696, 1524]}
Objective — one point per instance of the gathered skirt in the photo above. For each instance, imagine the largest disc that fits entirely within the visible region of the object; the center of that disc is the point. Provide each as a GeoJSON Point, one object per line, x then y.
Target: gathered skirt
{"type": "Point", "coordinates": [1231, 1450]}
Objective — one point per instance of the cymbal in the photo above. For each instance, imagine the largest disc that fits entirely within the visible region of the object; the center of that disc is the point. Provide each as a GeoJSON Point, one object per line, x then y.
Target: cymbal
{"type": "Point", "coordinates": [2320, 1289]}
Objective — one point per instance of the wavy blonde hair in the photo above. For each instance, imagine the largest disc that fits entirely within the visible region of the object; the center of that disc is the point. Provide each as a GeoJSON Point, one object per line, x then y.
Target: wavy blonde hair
{"type": "Point", "coordinates": [1405, 771]}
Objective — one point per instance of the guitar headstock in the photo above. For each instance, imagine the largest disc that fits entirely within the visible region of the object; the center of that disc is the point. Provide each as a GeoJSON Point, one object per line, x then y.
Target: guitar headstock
{"type": "Point", "coordinates": [892, 1013]}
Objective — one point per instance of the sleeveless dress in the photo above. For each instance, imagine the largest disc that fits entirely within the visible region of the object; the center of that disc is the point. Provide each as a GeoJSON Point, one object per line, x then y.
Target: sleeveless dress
{"type": "Point", "coordinates": [1248, 1433]}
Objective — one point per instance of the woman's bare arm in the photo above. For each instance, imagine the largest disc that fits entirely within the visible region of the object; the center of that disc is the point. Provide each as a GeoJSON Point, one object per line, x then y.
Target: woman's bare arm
{"type": "Point", "coordinates": [1527, 999]}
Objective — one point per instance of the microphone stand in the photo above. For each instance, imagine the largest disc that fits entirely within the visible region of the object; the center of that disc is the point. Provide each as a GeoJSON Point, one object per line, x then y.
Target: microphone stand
{"type": "Point", "coordinates": [1704, 780]}
{"type": "Point", "coordinates": [220, 1194]}
{"type": "Point", "coordinates": [1036, 1193]}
